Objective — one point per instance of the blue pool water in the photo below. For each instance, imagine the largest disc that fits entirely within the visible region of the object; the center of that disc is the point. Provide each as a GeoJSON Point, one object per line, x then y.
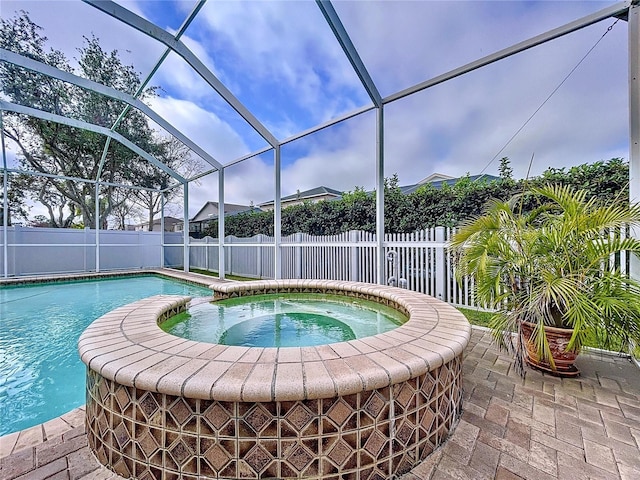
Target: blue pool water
{"type": "Point", "coordinates": [41, 375]}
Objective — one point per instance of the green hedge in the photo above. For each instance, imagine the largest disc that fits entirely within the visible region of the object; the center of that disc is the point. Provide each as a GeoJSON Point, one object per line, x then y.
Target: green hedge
{"type": "Point", "coordinates": [427, 207]}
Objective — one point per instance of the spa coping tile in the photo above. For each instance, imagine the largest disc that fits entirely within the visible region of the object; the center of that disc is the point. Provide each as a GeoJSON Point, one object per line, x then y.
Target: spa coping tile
{"type": "Point", "coordinates": [111, 368]}
{"type": "Point", "coordinates": [309, 354]}
{"type": "Point", "coordinates": [346, 380]}
{"type": "Point", "coordinates": [253, 387]}
{"type": "Point", "coordinates": [175, 379]}
{"type": "Point", "coordinates": [269, 355]}
{"type": "Point", "coordinates": [229, 386]}
{"type": "Point", "coordinates": [289, 382]}
{"type": "Point", "coordinates": [362, 347]}
{"type": "Point", "coordinates": [199, 385]}
{"type": "Point", "coordinates": [398, 371]}
{"type": "Point", "coordinates": [212, 351]}
{"type": "Point", "coordinates": [289, 355]}
{"type": "Point", "coordinates": [232, 354]}
{"type": "Point", "coordinates": [127, 373]}
{"type": "Point", "coordinates": [153, 340]}
{"type": "Point", "coordinates": [379, 342]}
{"type": "Point", "coordinates": [344, 349]}
{"type": "Point", "coordinates": [147, 379]}
{"type": "Point", "coordinates": [325, 352]}
{"type": "Point", "coordinates": [372, 374]}
{"type": "Point", "coordinates": [318, 382]}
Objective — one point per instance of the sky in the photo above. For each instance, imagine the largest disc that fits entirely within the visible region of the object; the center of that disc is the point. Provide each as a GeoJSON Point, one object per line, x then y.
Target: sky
{"type": "Point", "coordinates": [281, 60]}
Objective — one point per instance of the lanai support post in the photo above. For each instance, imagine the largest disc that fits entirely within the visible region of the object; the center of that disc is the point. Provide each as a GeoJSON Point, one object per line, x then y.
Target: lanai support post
{"type": "Point", "coordinates": [162, 202]}
{"type": "Point", "coordinates": [5, 206]}
{"type": "Point", "coordinates": [97, 224]}
{"type": "Point", "coordinates": [221, 252]}
{"type": "Point", "coordinates": [185, 249]}
{"type": "Point", "coordinates": [277, 217]}
{"type": "Point", "coordinates": [380, 195]}
{"type": "Point", "coordinates": [634, 120]}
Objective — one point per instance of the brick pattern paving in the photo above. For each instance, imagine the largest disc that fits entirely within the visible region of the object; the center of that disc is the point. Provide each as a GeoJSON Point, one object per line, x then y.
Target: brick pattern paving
{"type": "Point", "coordinates": [542, 427]}
{"type": "Point", "coordinates": [538, 428]}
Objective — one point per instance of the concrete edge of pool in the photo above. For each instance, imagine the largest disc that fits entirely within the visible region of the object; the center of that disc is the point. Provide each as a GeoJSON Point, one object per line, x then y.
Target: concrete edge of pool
{"type": "Point", "coordinates": [376, 407]}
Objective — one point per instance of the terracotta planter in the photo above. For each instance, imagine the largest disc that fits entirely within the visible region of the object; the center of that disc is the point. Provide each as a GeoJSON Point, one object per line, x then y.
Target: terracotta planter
{"type": "Point", "coordinates": [558, 339]}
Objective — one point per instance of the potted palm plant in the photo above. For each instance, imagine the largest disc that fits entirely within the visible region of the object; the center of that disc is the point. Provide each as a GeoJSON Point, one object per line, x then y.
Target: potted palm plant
{"type": "Point", "coordinates": [550, 275]}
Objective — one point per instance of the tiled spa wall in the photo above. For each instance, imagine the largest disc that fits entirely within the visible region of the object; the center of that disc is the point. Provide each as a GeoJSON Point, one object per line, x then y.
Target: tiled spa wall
{"type": "Point", "coordinates": [374, 434]}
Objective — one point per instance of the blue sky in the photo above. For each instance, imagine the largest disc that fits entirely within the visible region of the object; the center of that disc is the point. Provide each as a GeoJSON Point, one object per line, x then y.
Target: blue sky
{"type": "Point", "coordinates": [282, 61]}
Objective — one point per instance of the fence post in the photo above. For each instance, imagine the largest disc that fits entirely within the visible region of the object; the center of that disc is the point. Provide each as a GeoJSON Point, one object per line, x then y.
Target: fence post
{"type": "Point", "coordinates": [353, 254]}
{"type": "Point", "coordinates": [259, 257]}
{"type": "Point", "coordinates": [298, 256]}
{"type": "Point", "coordinates": [441, 266]}
{"type": "Point", "coordinates": [17, 236]}
{"type": "Point", "coordinates": [85, 240]}
{"type": "Point", "coordinates": [228, 266]}
{"type": "Point", "coordinates": [206, 253]}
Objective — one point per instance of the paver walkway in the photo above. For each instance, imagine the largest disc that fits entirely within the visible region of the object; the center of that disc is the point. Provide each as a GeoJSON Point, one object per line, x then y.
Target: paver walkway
{"type": "Point", "coordinates": [538, 428]}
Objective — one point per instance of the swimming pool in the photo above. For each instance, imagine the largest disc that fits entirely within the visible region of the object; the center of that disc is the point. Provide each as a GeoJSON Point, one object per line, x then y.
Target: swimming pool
{"type": "Point", "coordinates": [41, 375]}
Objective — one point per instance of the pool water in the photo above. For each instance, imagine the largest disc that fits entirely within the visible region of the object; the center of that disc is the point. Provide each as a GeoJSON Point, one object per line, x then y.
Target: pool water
{"type": "Point", "coordinates": [283, 320]}
{"type": "Point", "coordinates": [41, 375]}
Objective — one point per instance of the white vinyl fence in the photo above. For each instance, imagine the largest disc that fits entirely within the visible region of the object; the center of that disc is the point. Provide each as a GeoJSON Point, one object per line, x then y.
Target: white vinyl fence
{"type": "Point", "coordinates": [39, 251]}
{"type": "Point", "coordinates": [419, 258]}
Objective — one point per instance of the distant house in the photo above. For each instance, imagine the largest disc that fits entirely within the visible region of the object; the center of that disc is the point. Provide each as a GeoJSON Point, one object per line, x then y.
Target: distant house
{"type": "Point", "coordinates": [169, 225]}
{"type": "Point", "coordinates": [314, 195]}
{"type": "Point", "coordinates": [437, 180]}
{"type": "Point", "coordinates": [208, 212]}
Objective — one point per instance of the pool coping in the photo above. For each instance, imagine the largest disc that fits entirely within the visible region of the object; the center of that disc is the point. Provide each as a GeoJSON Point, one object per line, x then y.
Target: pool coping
{"type": "Point", "coordinates": [189, 277]}
{"type": "Point", "coordinates": [127, 346]}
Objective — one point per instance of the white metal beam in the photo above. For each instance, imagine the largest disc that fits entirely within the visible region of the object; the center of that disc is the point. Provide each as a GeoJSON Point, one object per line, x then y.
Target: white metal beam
{"type": "Point", "coordinates": [248, 156]}
{"type": "Point", "coordinates": [5, 202]}
{"type": "Point", "coordinates": [277, 216]}
{"type": "Point", "coordinates": [221, 249]}
{"type": "Point", "coordinates": [97, 218]}
{"type": "Point", "coordinates": [78, 179]}
{"type": "Point", "coordinates": [30, 64]}
{"type": "Point", "coordinates": [72, 122]}
{"type": "Point", "coordinates": [150, 29]}
{"type": "Point", "coordinates": [380, 257]}
{"type": "Point", "coordinates": [328, 124]}
{"type": "Point", "coordinates": [634, 120]}
{"type": "Point", "coordinates": [185, 229]}
{"type": "Point", "coordinates": [612, 11]}
{"type": "Point", "coordinates": [145, 82]}
{"type": "Point", "coordinates": [332, 18]}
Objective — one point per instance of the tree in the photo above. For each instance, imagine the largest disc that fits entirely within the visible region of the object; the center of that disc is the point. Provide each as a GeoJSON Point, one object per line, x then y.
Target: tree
{"type": "Point", "coordinates": [505, 170]}
{"type": "Point", "coordinates": [16, 201]}
{"type": "Point", "coordinates": [550, 267]}
{"type": "Point", "coordinates": [52, 148]}
{"type": "Point", "coordinates": [176, 156]}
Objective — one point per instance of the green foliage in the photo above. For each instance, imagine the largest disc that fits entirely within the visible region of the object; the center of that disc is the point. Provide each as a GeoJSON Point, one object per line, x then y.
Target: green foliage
{"type": "Point", "coordinates": [53, 148]}
{"type": "Point", "coordinates": [428, 206]}
{"type": "Point", "coordinates": [550, 266]}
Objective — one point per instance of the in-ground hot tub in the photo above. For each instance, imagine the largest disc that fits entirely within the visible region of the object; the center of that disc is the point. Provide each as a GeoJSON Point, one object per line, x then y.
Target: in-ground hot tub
{"type": "Point", "coordinates": [162, 406]}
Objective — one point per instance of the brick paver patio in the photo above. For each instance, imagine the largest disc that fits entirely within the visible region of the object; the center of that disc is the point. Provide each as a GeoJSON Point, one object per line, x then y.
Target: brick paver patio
{"type": "Point", "coordinates": [538, 428]}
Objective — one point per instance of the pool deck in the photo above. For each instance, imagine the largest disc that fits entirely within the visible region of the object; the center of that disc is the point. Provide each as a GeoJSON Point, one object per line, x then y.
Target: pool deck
{"type": "Point", "coordinates": [542, 427]}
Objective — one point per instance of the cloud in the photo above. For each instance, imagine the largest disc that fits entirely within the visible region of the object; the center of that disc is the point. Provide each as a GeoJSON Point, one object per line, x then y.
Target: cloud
{"type": "Point", "coordinates": [281, 59]}
{"type": "Point", "coordinates": [285, 65]}
{"type": "Point", "coordinates": [202, 126]}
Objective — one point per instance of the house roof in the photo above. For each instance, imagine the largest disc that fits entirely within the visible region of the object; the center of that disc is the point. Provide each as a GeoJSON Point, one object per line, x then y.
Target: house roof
{"type": "Point", "coordinates": [436, 177]}
{"type": "Point", "coordinates": [228, 208]}
{"type": "Point", "coordinates": [314, 192]}
{"type": "Point", "coordinates": [167, 220]}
